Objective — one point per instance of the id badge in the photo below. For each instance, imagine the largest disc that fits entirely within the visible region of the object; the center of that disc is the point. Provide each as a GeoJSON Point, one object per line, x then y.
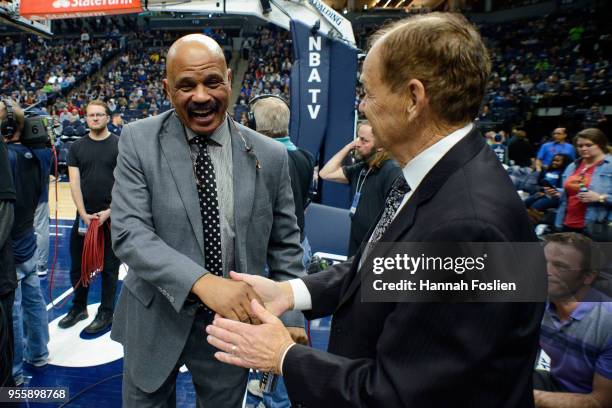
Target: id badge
{"type": "Point", "coordinates": [82, 227]}
{"type": "Point", "coordinates": [353, 209]}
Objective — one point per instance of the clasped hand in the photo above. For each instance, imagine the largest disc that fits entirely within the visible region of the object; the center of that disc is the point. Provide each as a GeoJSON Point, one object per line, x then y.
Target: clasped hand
{"type": "Point", "coordinates": [257, 346]}
{"type": "Point", "coordinates": [227, 297]}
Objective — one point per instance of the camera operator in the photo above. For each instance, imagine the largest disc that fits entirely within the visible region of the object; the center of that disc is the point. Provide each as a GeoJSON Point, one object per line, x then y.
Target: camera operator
{"type": "Point", "coordinates": [29, 308]}
{"type": "Point", "coordinates": [8, 278]}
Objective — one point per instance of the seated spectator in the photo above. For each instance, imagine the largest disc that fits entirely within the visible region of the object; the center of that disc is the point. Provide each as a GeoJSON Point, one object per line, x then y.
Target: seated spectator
{"type": "Point", "coordinates": [586, 196]}
{"type": "Point", "coordinates": [594, 118]}
{"type": "Point", "coordinates": [557, 146]}
{"type": "Point", "coordinates": [548, 178]}
{"type": "Point", "coordinates": [576, 329]}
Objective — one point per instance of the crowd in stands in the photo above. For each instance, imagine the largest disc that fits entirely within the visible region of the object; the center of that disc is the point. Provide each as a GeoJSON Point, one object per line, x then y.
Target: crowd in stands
{"type": "Point", "coordinates": [269, 55]}
{"type": "Point", "coordinates": [35, 70]}
{"type": "Point", "coordinates": [554, 61]}
{"type": "Point", "coordinates": [561, 60]}
{"type": "Point", "coordinates": [62, 74]}
{"type": "Point", "coordinates": [532, 68]}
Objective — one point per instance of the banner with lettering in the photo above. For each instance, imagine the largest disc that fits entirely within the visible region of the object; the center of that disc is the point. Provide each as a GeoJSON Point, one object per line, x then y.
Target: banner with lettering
{"type": "Point", "coordinates": [323, 100]}
{"type": "Point", "coordinates": [52, 9]}
{"type": "Point", "coordinates": [309, 87]}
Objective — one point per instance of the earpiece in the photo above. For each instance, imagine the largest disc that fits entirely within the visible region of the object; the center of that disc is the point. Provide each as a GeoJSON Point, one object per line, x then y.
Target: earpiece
{"type": "Point", "coordinates": [251, 116]}
{"type": "Point", "coordinates": [9, 125]}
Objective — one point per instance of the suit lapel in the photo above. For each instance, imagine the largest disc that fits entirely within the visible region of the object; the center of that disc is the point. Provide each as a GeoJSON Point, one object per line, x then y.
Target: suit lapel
{"type": "Point", "coordinates": [456, 158]}
{"type": "Point", "coordinates": [176, 151]}
{"type": "Point", "coordinates": [244, 170]}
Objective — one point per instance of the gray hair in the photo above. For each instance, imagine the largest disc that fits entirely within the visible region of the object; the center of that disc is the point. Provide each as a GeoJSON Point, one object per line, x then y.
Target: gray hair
{"type": "Point", "coordinates": [271, 117]}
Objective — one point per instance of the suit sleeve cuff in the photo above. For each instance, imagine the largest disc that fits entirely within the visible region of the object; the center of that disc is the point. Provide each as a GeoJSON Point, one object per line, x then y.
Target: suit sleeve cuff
{"type": "Point", "coordinates": [282, 360]}
{"type": "Point", "coordinates": [301, 296]}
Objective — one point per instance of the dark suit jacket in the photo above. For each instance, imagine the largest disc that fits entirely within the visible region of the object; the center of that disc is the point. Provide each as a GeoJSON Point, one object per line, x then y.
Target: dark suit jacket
{"type": "Point", "coordinates": [427, 354]}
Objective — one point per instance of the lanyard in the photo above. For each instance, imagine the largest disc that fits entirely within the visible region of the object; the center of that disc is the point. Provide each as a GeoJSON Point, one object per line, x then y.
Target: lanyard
{"type": "Point", "coordinates": [359, 187]}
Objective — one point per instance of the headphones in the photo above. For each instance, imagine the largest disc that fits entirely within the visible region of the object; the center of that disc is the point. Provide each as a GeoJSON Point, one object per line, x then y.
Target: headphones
{"type": "Point", "coordinates": [251, 116]}
{"type": "Point", "coordinates": [9, 125]}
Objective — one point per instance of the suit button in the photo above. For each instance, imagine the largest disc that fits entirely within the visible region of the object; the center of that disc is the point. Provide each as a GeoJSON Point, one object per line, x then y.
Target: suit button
{"type": "Point", "coordinates": [338, 330]}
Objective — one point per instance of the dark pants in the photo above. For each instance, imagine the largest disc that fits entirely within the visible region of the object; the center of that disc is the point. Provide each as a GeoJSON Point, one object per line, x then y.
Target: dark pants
{"type": "Point", "coordinates": [544, 381]}
{"type": "Point", "coordinates": [565, 228]}
{"type": "Point", "coordinates": [7, 345]}
{"type": "Point", "coordinates": [217, 385]}
{"type": "Point", "coordinates": [110, 272]}
{"type": "Point", "coordinates": [541, 202]}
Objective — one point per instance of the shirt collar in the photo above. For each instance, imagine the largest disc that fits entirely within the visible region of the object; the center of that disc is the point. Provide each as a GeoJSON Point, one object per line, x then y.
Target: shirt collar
{"type": "Point", "coordinates": [417, 168]}
{"type": "Point", "coordinates": [584, 307]}
{"type": "Point", "coordinates": [286, 141]}
{"type": "Point", "coordinates": [220, 136]}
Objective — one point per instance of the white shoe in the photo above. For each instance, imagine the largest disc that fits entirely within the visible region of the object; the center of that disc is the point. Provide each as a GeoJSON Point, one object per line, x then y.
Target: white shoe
{"type": "Point", "coordinates": [42, 272]}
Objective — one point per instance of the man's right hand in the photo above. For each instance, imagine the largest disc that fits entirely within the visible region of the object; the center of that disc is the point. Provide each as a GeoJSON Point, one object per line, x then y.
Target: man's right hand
{"type": "Point", "coordinates": [229, 298]}
{"type": "Point", "coordinates": [277, 296]}
{"type": "Point", "coordinates": [88, 218]}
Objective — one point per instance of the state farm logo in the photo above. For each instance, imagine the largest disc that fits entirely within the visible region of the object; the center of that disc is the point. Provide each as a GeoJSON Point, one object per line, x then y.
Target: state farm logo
{"type": "Point", "coordinates": [61, 4]}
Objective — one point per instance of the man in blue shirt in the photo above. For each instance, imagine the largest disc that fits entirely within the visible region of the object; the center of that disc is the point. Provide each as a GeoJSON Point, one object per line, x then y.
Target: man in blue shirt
{"type": "Point", "coordinates": [29, 309]}
{"type": "Point", "coordinates": [576, 328]}
{"type": "Point", "coordinates": [116, 124]}
{"type": "Point", "coordinates": [557, 146]}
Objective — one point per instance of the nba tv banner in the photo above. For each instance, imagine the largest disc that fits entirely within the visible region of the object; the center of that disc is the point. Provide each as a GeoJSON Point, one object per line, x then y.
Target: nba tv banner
{"type": "Point", "coordinates": [53, 9]}
{"type": "Point", "coordinates": [309, 87]}
{"type": "Point", "coordinates": [323, 79]}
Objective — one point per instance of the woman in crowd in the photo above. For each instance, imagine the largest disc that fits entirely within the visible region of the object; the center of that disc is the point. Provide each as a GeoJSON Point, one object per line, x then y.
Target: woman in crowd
{"type": "Point", "coordinates": [549, 178]}
{"type": "Point", "coordinates": [586, 196]}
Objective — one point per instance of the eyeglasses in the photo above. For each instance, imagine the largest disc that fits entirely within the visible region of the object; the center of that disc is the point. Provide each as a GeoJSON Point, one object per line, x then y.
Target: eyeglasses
{"type": "Point", "coordinates": [96, 115]}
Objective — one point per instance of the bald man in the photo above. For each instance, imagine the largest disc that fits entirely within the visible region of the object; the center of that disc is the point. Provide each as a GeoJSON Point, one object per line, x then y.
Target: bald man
{"type": "Point", "coordinates": [196, 195]}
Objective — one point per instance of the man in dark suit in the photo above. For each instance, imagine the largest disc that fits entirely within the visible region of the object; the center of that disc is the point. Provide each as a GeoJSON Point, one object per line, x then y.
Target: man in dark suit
{"type": "Point", "coordinates": [424, 79]}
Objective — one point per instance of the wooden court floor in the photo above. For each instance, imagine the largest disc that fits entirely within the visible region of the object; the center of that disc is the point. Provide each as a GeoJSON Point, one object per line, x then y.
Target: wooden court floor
{"type": "Point", "coordinates": [66, 210]}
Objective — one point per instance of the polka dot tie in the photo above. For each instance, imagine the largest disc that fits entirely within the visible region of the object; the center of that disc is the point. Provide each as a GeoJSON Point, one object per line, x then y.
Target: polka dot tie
{"type": "Point", "coordinates": [209, 207]}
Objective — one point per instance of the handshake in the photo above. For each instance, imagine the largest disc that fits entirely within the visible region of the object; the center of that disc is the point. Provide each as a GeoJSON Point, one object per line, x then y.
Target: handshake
{"type": "Point", "coordinates": [246, 327]}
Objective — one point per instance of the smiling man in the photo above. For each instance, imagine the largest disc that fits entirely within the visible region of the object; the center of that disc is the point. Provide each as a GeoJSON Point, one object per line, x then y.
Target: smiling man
{"type": "Point", "coordinates": [196, 195]}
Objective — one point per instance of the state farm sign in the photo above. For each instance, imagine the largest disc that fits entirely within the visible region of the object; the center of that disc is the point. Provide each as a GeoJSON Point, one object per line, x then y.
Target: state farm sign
{"type": "Point", "coordinates": [50, 9]}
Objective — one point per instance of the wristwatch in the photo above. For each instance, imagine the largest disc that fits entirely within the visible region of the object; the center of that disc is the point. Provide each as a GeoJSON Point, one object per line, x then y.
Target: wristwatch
{"type": "Point", "coordinates": [602, 198]}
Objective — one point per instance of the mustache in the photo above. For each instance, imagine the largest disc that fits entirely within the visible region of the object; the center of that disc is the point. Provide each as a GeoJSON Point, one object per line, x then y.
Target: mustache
{"type": "Point", "coordinates": [212, 105]}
